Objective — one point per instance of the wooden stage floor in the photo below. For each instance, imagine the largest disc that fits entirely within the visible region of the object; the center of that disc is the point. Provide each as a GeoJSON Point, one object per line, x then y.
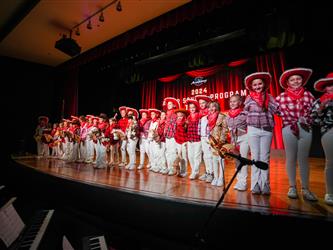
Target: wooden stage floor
{"type": "Point", "coordinates": [144, 182]}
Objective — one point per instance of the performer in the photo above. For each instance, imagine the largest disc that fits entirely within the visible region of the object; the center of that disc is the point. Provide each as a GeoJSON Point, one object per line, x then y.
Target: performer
{"type": "Point", "coordinates": [102, 142]}
{"type": "Point", "coordinates": [260, 107]}
{"type": "Point", "coordinates": [160, 151]}
{"type": "Point", "coordinates": [218, 129]}
{"type": "Point", "coordinates": [91, 140]}
{"type": "Point", "coordinates": [66, 147]}
{"type": "Point", "coordinates": [322, 114]}
{"type": "Point", "coordinates": [123, 125]}
{"type": "Point", "coordinates": [193, 136]}
{"type": "Point", "coordinates": [83, 138]}
{"type": "Point", "coordinates": [114, 134]}
{"type": "Point", "coordinates": [204, 135]}
{"type": "Point", "coordinates": [181, 141]}
{"type": "Point", "coordinates": [154, 144]}
{"type": "Point", "coordinates": [236, 121]}
{"type": "Point", "coordinates": [295, 106]}
{"type": "Point", "coordinates": [170, 104]}
{"type": "Point", "coordinates": [144, 124]}
{"type": "Point", "coordinates": [132, 133]}
{"type": "Point", "coordinates": [41, 127]}
{"type": "Point", "coordinates": [54, 144]}
{"type": "Point", "coordinates": [74, 139]}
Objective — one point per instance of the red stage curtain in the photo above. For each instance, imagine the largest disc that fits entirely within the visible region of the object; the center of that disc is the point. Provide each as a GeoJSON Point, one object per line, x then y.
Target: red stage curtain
{"type": "Point", "coordinates": [169, 78]}
{"type": "Point", "coordinates": [204, 72]}
{"type": "Point", "coordinates": [274, 63]}
{"type": "Point", "coordinates": [148, 94]}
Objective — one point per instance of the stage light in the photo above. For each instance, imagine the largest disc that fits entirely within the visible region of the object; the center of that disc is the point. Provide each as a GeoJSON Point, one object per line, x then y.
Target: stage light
{"type": "Point", "coordinates": [119, 8]}
{"type": "Point", "coordinates": [89, 27]}
{"type": "Point", "coordinates": [101, 17]}
{"type": "Point", "coordinates": [77, 32]}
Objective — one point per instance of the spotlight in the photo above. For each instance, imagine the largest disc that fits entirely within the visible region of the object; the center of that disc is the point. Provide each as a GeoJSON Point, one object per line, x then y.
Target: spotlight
{"type": "Point", "coordinates": [119, 8]}
{"type": "Point", "coordinates": [77, 32]}
{"type": "Point", "coordinates": [89, 27]}
{"type": "Point", "coordinates": [101, 17]}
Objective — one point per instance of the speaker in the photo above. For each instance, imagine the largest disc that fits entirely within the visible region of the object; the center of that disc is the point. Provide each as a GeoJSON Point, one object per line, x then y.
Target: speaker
{"type": "Point", "coordinates": [68, 45]}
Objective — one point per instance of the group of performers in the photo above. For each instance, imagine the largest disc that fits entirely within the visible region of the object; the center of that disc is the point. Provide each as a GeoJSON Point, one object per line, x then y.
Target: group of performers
{"type": "Point", "coordinates": [175, 136]}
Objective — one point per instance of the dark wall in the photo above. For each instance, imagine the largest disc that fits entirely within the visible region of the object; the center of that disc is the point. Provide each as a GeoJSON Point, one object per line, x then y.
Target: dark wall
{"type": "Point", "coordinates": [28, 90]}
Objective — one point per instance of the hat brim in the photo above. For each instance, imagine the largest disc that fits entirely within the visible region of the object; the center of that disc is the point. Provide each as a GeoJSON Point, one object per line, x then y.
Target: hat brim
{"type": "Point", "coordinates": [203, 97]}
{"type": "Point", "coordinates": [321, 84]}
{"type": "Point", "coordinates": [185, 111]}
{"type": "Point", "coordinates": [195, 102]}
{"type": "Point", "coordinates": [303, 72]}
{"type": "Point", "coordinates": [265, 76]}
{"type": "Point", "coordinates": [171, 99]}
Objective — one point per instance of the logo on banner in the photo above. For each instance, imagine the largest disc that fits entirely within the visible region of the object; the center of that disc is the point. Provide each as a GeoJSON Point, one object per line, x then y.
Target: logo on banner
{"type": "Point", "coordinates": [198, 81]}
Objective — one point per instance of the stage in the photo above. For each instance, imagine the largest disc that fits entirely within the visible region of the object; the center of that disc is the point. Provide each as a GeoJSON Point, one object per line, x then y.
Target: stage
{"type": "Point", "coordinates": [194, 192]}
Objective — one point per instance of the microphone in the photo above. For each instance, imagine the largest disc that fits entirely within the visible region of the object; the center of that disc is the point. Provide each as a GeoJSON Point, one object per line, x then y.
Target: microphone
{"type": "Point", "coordinates": [244, 161]}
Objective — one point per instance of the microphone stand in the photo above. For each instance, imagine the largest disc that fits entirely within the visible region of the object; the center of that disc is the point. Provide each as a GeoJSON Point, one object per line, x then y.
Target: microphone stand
{"type": "Point", "coordinates": [242, 161]}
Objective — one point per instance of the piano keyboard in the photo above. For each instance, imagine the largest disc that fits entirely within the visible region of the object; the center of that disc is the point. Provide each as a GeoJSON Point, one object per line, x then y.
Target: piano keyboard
{"type": "Point", "coordinates": [95, 243]}
{"type": "Point", "coordinates": [34, 234]}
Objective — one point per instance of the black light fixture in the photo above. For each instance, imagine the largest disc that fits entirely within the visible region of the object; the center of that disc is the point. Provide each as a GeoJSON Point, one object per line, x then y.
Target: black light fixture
{"type": "Point", "coordinates": [89, 26]}
{"type": "Point", "coordinates": [119, 8]}
{"type": "Point", "coordinates": [77, 32]}
{"type": "Point", "coordinates": [101, 17]}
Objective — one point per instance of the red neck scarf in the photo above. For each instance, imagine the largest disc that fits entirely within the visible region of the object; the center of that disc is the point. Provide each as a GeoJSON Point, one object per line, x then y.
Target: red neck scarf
{"type": "Point", "coordinates": [261, 99]}
{"type": "Point", "coordinates": [154, 120]}
{"type": "Point", "coordinates": [234, 112]}
{"type": "Point", "coordinates": [143, 121]}
{"type": "Point", "coordinates": [169, 113]}
{"type": "Point", "coordinates": [161, 122]}
{"type": "Point", "coordinates": [194, 117]}
{"type": "Point", "coordinates": [326, 97]}
{"type": "Point", "coordinates": [295, 94]}
{"type": "Point", "coordinates": [212, 118]}
{"type": "Point", "coordinates": [181, 121]}
{"type": "Point", "coordinates": [203, 112]}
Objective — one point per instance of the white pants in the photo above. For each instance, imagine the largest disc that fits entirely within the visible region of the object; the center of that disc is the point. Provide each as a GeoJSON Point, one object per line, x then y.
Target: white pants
{"type": "Point", "coordinates": [218, 168]}
{"type": "Point", "coordinates": [297, 150]}
{"type": "Point", "coordinates": [90, 150]}
{"type": "Point", "coordinates": [74, 152]}
{"type": "Point", "coordinates": [39, 148]}
{"type": "Point", "coordinates": [207, 155]}
{"type": "Point", "coordinates": [327, 142]}
{"type": "Point", "coordinates": [100, 155]}
{"type": "Point", "coordinates": [66, 149]}
{"type": "Point", "coordinates": [123, 151]}
{"type": "Point", "coordinates": [181, 150]}
{"type": "Point", "coordinates": [144, 149]}
{"type": "Point", "coordinates": [171, 152]}
{"type": "Point", "coordinates": [194, 156]}
{"type": "Point", "coordinates": [83, 150]}
{"type": "Point", "coordinates": [157, 154]}
{"type": "Point", "coordinates": [131, 148]}
{"type": "Point", "coordinates": [243, 143]}
{"type": "Point", "coordinates": [260, 145]}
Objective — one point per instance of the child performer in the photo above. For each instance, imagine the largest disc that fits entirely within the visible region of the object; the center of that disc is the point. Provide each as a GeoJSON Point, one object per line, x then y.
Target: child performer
{"type": "Point", "coordinates": [160, 140]}
{"type": "Point", "coordinates": [204, 135]}
{"type": "Point", "coordinates": [123, 125]}
{"type": "Point", "coordinates": [132, 133]}
{"type": "Point", "coordinates": [218, 130]}
{"type": "Point", "coordinates": [260, 107]}
{"type": "Point", "coordinates": [40, 129]}
{"type": "Point", "coordinates": [101, 142]}
{"type": "Point", "coordinates": [83, 138]}
{"type": "Point", "coordinates": [193, 136]}
{"type": "Point", "coordinates": [236, 121]}
{"type": "Point", "coordinates": [144, 124]}
{"type": "Point", "coordinates": [170, 104]}
{"type": "Point", "coordinates": [153, 138]}
{"type": "Point", "coordinates": [295, 106]}
{"type": "Point", "coordinates": [323, 116]}
{"type": "Point", "coordinates": [112, 132]}
{"type": "Point", "coordinates": [181, 141]}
